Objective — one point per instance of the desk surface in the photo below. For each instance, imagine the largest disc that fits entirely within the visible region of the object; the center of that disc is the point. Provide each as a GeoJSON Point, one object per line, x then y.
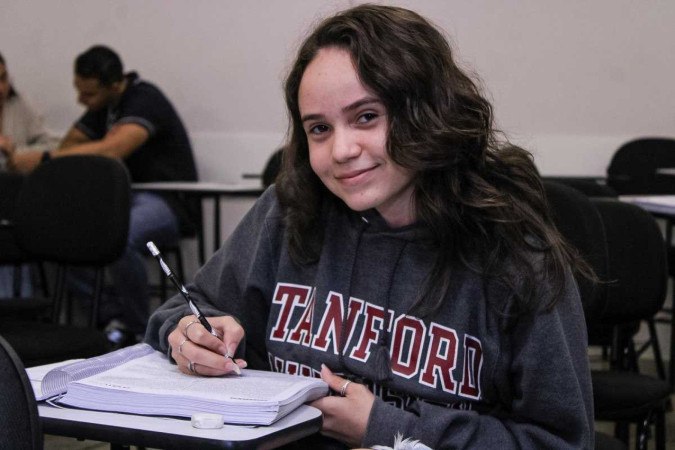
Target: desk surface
{"type": "Point", "coordinates": [170, 433]}
{"type": "Point", "coordinates": [657, 204]}
{"type": "Point", "coordinates": [666, 171]}
{"type": "Point", "coordinates": [201, 187]}
{"type": "Point", "coordinates": [166, 432]}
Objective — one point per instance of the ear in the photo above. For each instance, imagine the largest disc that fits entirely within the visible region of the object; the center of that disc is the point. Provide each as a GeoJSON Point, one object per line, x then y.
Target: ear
{"type": "Point", "coordinates": [118, 87]}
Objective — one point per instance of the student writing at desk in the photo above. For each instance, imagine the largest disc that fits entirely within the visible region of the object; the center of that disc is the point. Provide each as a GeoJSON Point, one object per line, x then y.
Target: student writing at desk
{"type": "Point", "coordinates": [21, 129]}
{"type": "Point", "coordinates": [132, 120]}
{"type": "Point", "coordinates": [404, 255]}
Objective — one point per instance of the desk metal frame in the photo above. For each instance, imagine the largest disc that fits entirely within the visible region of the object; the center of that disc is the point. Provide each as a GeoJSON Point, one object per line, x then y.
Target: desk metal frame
{"type": "Point", "coordinates": [201, 190]}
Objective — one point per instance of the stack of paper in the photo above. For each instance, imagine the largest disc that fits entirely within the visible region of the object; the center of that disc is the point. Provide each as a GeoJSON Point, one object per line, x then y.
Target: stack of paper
{"type": "Point", "coordinates": [143, 381]}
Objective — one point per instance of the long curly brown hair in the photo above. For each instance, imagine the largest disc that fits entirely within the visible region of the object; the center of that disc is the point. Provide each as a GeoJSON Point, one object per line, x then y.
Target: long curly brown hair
{"type": "Point", "coordinates": [480, 197]}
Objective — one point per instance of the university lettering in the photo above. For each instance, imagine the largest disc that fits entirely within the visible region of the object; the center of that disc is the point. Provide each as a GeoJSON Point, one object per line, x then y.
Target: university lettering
{"type": "Point", "coordinates": [427, 352]}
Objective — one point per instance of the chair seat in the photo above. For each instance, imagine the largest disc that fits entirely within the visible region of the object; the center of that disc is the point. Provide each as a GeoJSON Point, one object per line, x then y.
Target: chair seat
{"type": "Point", "coordinates": [25, 309]}
{"type": "Point", "coordinates": [39, 343]}
{"type": "Point", "coordinates": [11, 253]}
{"type": "Point", "coordinates": [606, 442]}
{"type": "Point", "coordinates": [602, 334]}
{"type": "Point", "coordinates": [626, 395]}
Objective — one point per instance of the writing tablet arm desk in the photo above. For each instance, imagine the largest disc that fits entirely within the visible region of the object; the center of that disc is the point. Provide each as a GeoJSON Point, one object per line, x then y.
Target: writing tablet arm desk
{"type": "Point", "coordinates": [168, 433]}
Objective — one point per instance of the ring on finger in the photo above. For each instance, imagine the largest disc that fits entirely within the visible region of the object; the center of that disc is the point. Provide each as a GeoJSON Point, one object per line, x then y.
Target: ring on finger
{"type": "Point", "coordinates": [185, 330]}
{"type": "Point", "coordinates": [343, 389]}
{"type": "Point", "coordinates": [192, 367]}
{"type": "Point", "coordinates": [180, 346]}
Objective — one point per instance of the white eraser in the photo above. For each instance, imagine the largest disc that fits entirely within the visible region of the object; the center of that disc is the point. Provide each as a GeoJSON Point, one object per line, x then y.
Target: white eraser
{"type": "Point", "coordinates": [207, 420]}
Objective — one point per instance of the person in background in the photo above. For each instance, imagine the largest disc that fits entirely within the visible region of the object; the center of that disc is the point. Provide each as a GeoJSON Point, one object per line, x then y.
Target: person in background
{"type": "Point", "coordinates": [405, 254]}
{"type": "Point", "coordinates": [21, 129]}
{"type": "Point", "coordinates": [129, 119]}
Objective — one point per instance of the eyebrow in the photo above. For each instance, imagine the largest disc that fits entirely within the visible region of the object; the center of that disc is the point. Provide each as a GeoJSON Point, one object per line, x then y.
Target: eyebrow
{"type": "Point", "coordinates": [351, 107]}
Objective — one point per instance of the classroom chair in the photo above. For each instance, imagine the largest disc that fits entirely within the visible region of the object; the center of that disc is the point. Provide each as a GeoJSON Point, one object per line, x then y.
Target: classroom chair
{"type": "Point", "coordinates": [11, 256]}
{"type": "Point", "coordinates": [19, 417]}
{"type": "Point", "coordinates": [74, 211]}
{"type": "Point", "coordinates": [633, 171]}
{"type": "Point", "coordinates": [71, 211]}
{"type": "Point", "coordinates": [636, 289]}
{"type": "Point", "coordinates": [633, 167]}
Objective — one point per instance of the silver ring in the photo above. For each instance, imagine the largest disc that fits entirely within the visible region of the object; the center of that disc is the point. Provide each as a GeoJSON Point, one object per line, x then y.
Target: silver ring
{"type": "Point", "coordinates": [180, 346]}
{"type": "Point", "coordinates": [343, 390]}
{"type": "Point", "coordinates": [185, 330]}
{"type": "Point", "coordinates": [191, 367]}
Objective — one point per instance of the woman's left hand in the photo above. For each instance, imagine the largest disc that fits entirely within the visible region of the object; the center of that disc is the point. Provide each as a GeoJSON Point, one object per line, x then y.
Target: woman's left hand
{"type": "Point", "coordinates": [345, 418]}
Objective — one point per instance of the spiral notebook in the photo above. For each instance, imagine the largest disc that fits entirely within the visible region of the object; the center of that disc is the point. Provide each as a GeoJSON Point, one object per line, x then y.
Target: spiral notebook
{"type": "Point", "coordinates": [140, 380]}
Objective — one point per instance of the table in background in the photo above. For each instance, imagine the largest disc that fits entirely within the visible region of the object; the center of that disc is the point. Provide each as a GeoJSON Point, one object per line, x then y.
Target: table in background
{"type": "Point", "coordinates": [202, 190]}
{"type": "Point", "coordinates": [171, 433]}
{"type": "Point", "coordinates": [661, 206]}
{"type": "Point", "coordinates": [668, 171]}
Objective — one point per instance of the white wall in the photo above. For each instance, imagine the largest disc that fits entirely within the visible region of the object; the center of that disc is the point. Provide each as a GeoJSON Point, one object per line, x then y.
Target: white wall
{"type": "Point", "coordinates": [570, 80]}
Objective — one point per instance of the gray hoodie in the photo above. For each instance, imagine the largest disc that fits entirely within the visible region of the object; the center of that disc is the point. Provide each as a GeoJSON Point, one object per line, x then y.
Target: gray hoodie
{"type": "Point", "coordinates": [468, 376]}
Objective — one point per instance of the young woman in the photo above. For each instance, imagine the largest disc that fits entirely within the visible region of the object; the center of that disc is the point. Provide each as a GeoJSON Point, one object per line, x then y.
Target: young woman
{"type": "Point", "coordinates": [404, 256]}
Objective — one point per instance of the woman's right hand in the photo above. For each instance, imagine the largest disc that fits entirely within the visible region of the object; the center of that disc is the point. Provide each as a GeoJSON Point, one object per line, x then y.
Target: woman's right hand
{"type": "Point", "coordinates": [193, 347]}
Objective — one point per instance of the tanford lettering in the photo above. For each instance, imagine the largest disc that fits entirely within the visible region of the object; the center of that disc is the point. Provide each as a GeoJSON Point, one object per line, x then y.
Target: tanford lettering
{"type": "Point", "coordinates": [431, 353]}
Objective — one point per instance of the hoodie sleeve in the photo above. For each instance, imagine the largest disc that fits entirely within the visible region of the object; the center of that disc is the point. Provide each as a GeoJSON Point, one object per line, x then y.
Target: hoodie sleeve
{"type": "Point", "coordinates": [232, 282]}
{"type": "Point", "coordinates": [544, 383]}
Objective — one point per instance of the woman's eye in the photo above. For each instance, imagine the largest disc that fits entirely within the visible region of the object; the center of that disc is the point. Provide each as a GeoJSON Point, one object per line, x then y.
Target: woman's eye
{"type": "Point", "coordinates": [318, 129]}
{"type": "Point", "coordinates": [367, 117]}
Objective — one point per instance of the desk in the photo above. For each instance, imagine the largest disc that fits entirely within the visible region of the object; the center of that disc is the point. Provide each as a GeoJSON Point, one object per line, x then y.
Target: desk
{"type": "Point", "coordinates": [669, 171]}
{"type": "Point", "coordinates": [169, 433]}
{"type": "Point", "coordinates": [662, 206]}
{"type": "Point", "coordinates": [165, 432]}
{"type": "Point", "coordinates": [202, 190]}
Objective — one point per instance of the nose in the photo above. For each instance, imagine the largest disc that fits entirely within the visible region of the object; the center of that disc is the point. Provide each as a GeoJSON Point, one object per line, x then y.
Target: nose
{"type": "Point", "coordinates": [346, 145]}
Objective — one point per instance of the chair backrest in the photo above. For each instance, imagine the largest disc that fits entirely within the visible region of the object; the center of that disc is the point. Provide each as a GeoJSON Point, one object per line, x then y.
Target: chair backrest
{"type": "Point", "coordinates": [10, 186]}
{"type": "Point", "coordinates": [638, 274]}
{"type": "Point", "coordinates": [75, 210]}
{"type": "Point", "coordinates": [19, 418]}
{"type": "Point", "coordinates": [577, 219]}
{"type": "Point", "coordinates": [272, 168]}
{"type": "Point", "coordinates": [632, 169]}
{"type": "Point", "coordinates": [587, 186]}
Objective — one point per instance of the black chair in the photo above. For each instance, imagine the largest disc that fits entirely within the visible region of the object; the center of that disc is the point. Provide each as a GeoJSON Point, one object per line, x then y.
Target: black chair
{"type": "Point", "coordinates": [606, 442]}
{"type": "Point", "coordinates": [577, 219]}
{"type": "Point", "coordinates": [583, 225]}
{"type": "Point", "coordinates": [19, 417]}
{"type": "Point", "coordinates": [632, 169]}
{"type": "Point", "coordinates": [636, 290]}
{"type": "Point", "coordinates": [602, 335]}
{"type": "Point", "coordinates": [11, 255]}
{"type": "Point", "coordinates": [72, 211]}
{"type": "Point", "coordinates": [591, 187]}
{"type": "Point", "coordinates": [272, 168]}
